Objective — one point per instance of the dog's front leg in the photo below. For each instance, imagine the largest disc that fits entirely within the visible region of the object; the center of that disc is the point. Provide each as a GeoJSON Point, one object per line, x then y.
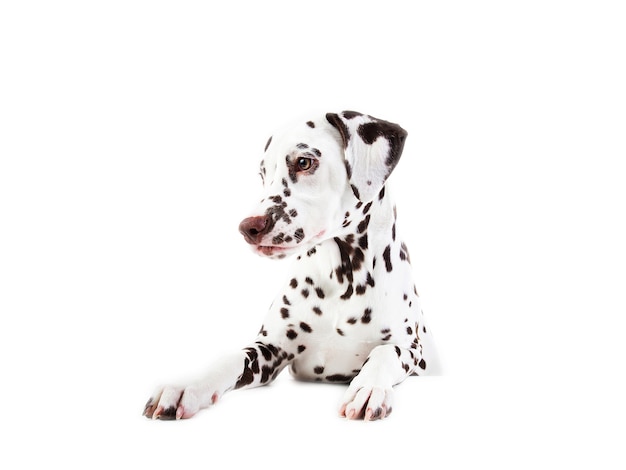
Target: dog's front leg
{"type": "Point", "coordinates": [369, 395]}
{"type": "Point", "coordinates": [256, 365]}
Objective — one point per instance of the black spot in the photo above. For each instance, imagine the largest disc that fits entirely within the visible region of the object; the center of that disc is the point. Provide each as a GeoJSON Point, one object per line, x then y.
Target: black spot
{"type": "Point", "coordinates": [340, 332]}
{"type": "Point", "coordinates": [364, 224]}
{"type": "Point", "coordinates": [381, 194]}
{"type": "Point", "coordinates": [338, 378]}
{"type": "Point", "coordinates": [247, 377]}
{"type": "Point", "coordinates": [293, 213]}
{"type": "Point", "coordinates": [355, 191]}
{"type": "Point", "coordinates": [308, 280]}
{"type": "Point", "coordinates": [351, 320]}
{"type": "Point", "coordinates": [348, 169]}
{"type": "Point", "coordinates": [338, 124]}
{"type": "Point", "coordinates": [357, 259]}
{"type": "Point", "coordinates": [266, 373]}
{"type": "Point", "coordinates": [311, 124]}
{"type": "Point", "coordinates": [367, 316]}
{"type": "Point", "coordinates": [377, 413]}
{"type": "Point", "coordinates": [267, 354]}
{"type": "Point", "coordinates": [351, 114]}
{"type": "Point", "coordinates": [318, 369]}
{"type": "Point", "coordinates": [316, 152]}
{"type": "Point", "coordinates": [345, 270]}
{"type": "Point", "coordinates": [348, 293]}
{"type": "Point", "coordinates": [395, 135]}
{"type": "Point", "coordinates": [305, 327]}
{"type": "Point", "coordinates": [317, 310]}
{"type": "Point", "coordinates": [269, 141]}
{"type": "Point", "coordinates": [169, 413]}
{"type": "Point", "coordinates": [286, 300]}
{"type": "Point", "coordinates": [398, 351]}
{"type": "Point", "coordinates": [284, 313]}
{"type": "Point", "coordinates": [276, 213]}
{"type": "Point", "coordinates": [305, 293]}
{"type": "Point", "coordinates": [319, 292]}
{"type": "Point", "coordinates": [422, 364]}
{"type": "Point", "coordinates": [387, 258]}
{"type": "Point", "coordinates": [293, 174]}
{"type": "Point", "coordinates": [409, 330]}
{"type": "Point", "coordinates": [299, 235]}
{"type": "Point", "coordinates": [301, 348]}
{"type": "Point", "coordinates": [404, 253]}
{"type": "Point", "coordinates": [293, 283]}
{"type": "Point", "coordinates": [291, 334]}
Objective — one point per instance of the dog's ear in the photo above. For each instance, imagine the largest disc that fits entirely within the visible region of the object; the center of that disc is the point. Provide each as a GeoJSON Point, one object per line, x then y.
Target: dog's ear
{"type": "Point", "coordinates": [372, 150]}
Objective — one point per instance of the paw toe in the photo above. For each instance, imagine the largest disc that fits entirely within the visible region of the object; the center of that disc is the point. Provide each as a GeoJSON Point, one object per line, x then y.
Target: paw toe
{"type": "Point", "coordinates": [167, 414]}
{"type": "Point", "coordinates": [367, 403]}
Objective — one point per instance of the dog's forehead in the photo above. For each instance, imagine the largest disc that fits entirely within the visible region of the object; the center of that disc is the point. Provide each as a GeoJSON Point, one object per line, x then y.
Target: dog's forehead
{"type": "Point", "coordinates": [315, 133]}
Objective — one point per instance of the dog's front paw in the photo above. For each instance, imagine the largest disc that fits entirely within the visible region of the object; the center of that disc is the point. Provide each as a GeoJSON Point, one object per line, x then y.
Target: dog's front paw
{"type": "Point", "coordinates": [174, 403]}
{"type": "Point", "coordinates": [367, 402]}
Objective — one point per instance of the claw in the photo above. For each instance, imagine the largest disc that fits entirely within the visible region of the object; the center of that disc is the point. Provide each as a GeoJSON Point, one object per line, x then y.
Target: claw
{"type": "Point", "coordinates": [148, 410]}
{"type": "Point", "coordinates": [157, 412]}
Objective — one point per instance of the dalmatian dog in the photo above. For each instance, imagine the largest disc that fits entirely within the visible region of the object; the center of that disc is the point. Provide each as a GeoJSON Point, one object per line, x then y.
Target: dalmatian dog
{"type": "Point", "coordinates": [349, 311]}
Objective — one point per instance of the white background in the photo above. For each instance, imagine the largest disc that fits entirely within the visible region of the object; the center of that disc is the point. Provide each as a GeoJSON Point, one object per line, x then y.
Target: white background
{"type": "Point", "coordinates": [130, 134]}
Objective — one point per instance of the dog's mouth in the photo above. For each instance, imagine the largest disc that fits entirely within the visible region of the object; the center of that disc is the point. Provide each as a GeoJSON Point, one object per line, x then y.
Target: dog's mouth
{"type": "Point", "coordinates": [281, 251]}
{"type": "Point", "coordinates": [271, 250]}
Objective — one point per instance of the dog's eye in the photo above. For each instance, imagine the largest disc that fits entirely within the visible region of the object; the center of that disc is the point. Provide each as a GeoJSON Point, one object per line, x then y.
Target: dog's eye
{"type": "Point", "coordinates": [304, 164]}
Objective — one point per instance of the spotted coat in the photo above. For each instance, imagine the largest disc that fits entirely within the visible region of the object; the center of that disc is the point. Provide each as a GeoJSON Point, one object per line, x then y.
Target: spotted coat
{"type": "Point", "coordinates": [349, 311]}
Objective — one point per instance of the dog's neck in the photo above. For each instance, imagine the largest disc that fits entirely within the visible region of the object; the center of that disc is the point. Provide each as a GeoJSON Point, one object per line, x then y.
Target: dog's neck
{"type": "Point", "coordinates": [360, 247]}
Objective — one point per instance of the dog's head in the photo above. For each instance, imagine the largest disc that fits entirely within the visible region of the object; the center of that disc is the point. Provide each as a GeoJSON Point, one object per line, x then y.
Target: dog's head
{"type": "Point", "coordinates": [314, 172]}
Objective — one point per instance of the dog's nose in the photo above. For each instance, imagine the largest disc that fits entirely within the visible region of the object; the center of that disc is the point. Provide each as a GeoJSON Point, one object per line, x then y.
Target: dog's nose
{"type": "Point", "coordinates": [253, 228]}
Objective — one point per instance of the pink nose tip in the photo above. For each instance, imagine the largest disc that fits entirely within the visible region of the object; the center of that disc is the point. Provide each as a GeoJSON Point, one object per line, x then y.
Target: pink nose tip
{"type": "Point", "coordinates": [254, 228]}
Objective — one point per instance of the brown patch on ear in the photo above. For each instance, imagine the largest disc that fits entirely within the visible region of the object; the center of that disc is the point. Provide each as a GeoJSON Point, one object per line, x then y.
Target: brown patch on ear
{"type": "Point", "coordinates": [338, 124]}
{"type": "Point", "coordinates": [351, 114]}
{"type": "Point", "coordinates": [395, 135]}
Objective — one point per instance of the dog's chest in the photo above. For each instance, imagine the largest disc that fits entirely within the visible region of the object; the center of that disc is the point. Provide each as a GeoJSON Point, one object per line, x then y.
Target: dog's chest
{"type": "Point", "coordinates": [330, 325]}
